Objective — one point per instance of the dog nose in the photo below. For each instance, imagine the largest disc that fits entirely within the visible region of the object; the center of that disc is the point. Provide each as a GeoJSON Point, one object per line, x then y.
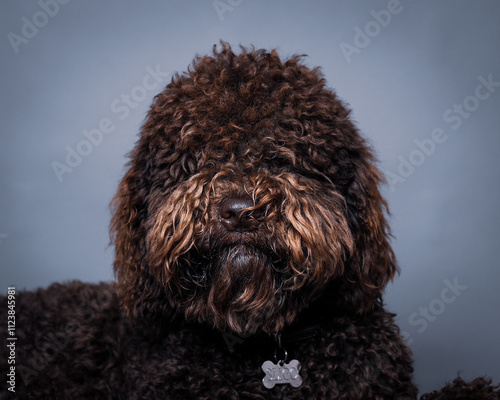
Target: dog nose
{"type": "Point", "coordinates": [231, 214]}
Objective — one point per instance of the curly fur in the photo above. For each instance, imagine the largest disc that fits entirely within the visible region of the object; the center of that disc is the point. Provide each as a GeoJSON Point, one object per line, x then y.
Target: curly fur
{"type": "Point", "coordinates": [198, 307]}
{"type": "Point", "coordinates": [478, 389]}
{"type": "Point", "coordinates": [249, 125]}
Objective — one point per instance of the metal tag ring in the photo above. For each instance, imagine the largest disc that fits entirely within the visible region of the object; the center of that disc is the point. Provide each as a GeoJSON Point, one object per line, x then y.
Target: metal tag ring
{"type": "Point", "coordinates": [280, 361]}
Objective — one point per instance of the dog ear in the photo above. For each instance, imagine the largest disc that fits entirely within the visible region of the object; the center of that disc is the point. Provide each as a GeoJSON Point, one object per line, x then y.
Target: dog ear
{"type": "Point", "coordinates": [372, 263]}
{"type": "Point", "coordinates": [140, 293]}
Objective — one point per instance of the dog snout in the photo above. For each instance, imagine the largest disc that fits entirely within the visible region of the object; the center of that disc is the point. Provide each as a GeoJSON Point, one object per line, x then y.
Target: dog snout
{"type": "Point", "coordinates": [233, 216]}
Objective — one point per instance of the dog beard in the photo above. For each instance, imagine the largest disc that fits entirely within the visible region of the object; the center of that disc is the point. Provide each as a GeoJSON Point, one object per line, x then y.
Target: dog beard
{"type": "Point", "coordinates": [241, 290]}
{"type": "Point", "coordinates": [244, 289]}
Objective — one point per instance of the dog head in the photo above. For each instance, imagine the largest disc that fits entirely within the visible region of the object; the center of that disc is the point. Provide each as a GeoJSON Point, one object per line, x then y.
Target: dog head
{"type": "Point", "coordinates": [249, 194]}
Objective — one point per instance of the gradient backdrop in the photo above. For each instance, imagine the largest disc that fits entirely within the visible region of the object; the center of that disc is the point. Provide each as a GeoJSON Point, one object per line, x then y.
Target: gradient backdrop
{"type": "Point", "coordinates": [423, 79]}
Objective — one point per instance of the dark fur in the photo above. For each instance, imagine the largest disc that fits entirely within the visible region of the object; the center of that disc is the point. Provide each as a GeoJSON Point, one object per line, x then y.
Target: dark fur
{"type": "Point", "coordinates": [478, 389]}
{"type": "Point", "coordinates": [311, 263]}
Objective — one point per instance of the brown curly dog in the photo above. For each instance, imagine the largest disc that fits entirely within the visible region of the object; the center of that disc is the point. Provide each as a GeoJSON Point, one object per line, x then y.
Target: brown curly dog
{"type": "Point", "coordinates": [252, 250]}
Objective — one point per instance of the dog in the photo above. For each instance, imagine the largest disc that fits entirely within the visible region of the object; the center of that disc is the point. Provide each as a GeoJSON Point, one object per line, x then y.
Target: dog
{"type": "Point", "coordinates": [251, 252]}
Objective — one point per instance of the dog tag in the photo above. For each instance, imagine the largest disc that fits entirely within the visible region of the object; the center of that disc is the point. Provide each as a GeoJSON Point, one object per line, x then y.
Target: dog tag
{"type": "Point", "coordinates": [281, 373]}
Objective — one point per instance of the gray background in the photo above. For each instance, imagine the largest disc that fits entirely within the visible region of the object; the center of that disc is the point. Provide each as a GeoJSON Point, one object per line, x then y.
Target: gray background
{"type": "Point", "coordinates": [428, 57]}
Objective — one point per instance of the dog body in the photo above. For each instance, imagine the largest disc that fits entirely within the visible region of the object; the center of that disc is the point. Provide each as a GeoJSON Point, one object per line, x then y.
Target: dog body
{"type": "Point", "coordinates": [76, 342]}
{"type": "Point", "coordinates": [252, 250]}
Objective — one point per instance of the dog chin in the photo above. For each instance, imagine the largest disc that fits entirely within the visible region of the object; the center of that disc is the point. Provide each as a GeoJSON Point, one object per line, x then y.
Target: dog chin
{"type": "Point", "coordinates": [240, 258]}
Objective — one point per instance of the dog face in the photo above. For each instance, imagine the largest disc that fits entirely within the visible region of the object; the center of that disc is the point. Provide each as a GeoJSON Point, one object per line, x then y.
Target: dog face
{"type": "Point", "coordinates": [249, 194]}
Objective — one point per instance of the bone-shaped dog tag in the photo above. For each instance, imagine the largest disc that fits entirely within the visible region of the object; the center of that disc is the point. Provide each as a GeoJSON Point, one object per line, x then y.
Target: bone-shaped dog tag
{"type": "Point", "coordinates": [281, 373]}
